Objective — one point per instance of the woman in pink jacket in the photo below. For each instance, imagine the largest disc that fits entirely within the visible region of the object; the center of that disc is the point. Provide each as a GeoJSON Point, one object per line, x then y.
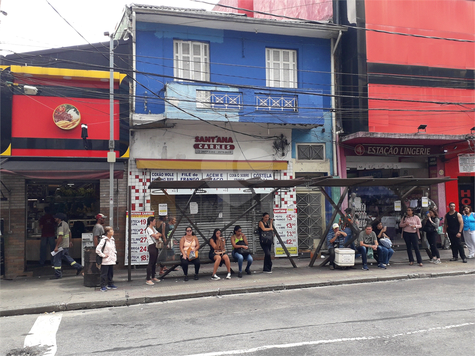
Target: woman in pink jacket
{"type": "Point", "coordinates": [411, 224]}
{"type": "Point", "coordinates": [106, 249]}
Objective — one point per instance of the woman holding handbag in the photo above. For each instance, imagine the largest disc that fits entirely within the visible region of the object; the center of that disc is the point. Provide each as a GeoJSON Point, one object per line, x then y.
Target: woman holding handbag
{"type": "Point", "coordinates": [430, 226]}
{"type": "Point", "coordinates": [241, 250]}
{"type": "Point", "coordinates": [217, 253]}
{"type": "Point", "coordinates": [386, 245]}
{"type": "Point", "coordinates": [153, 236]}
{"type": "Point", "coordinates": [266, 239]}
{"type": "Point", "coordinates": [107, 250]}
{"type": "Point", "coordinates": [189, 246]}
{"type": "Point", "coordinates": [410, 231]}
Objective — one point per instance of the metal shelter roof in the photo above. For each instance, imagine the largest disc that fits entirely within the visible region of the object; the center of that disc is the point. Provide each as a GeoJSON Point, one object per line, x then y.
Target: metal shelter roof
{"type": "Point", "coordinates": [289, 183]}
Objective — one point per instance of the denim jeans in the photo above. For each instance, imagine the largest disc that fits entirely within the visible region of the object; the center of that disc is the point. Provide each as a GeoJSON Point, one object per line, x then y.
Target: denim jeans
{"type": "Point", "coordinates": [384, 254]}
{"type": "Point", "coordinates": [363, 250]}
{"type": "Point", "coordinates": [46, 242]}
{"type": "Point", "coordinates": [240, 258]}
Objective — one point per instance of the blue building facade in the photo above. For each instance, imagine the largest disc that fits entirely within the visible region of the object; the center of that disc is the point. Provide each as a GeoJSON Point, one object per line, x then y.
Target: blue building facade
{"type": "Point", "coordinates": [229, 97]}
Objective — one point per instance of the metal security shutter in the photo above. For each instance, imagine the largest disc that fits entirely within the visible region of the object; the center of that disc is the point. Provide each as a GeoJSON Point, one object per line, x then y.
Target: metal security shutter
{"type": "Point", "coordinates": [214, 211]}
{"type": "Point", "coordinates": [309, 217]}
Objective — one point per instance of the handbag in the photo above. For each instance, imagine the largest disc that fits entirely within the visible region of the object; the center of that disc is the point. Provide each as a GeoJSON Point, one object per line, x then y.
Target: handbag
{"type": "Point", "coordinates": [159, 243]}
{"type": "Point", "coordinates": [99, 258]}
{"type": "Point", "coordinates": [242, 251]}
{"type": "Point", "coordinates": [267, 237]}
{"type": "Point", "coordinates": [191, 254]}
{"type": "Point", "coordinates": [428, 227]}
{"type": "Point", "coordinates": [386, 242]}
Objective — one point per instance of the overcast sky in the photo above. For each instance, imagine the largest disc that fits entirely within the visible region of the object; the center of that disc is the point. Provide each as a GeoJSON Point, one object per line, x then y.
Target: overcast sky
{"type": "Point", "coordinates": [31, 25]}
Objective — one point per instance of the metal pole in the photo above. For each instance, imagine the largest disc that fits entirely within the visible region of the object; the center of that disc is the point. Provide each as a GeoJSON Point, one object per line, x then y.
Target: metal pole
{"type": "Point", "coordinates": [129, 235]}
{"type": "Point", "coordinates": [111, 153]}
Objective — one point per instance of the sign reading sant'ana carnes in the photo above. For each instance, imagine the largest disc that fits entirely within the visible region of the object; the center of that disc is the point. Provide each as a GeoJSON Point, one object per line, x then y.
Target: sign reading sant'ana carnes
{"type": "Point", "coordinates": [393, 150]}
{"type": "Point", "coordinates": [214, 145]}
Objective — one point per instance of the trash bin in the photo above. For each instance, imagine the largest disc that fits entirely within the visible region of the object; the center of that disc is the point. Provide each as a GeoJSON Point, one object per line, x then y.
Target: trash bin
{"type": "Point", "coordinates": [92, 274]}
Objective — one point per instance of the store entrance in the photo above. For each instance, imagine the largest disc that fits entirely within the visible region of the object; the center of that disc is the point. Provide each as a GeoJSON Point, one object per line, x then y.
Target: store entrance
{"type": "Point", "coordinates": [79, 200]}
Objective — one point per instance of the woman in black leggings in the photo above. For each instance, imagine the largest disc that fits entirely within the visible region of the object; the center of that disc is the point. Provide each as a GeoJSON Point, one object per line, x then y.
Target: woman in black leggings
{"type": "Point", "coordinates": [430, 226]}
{"type": "Point", "coordinates": [266, 238]}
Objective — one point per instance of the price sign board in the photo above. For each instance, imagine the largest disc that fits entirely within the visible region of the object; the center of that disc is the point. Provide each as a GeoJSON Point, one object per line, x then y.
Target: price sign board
{"type": "Point", "coordinates": [285, 222]}
{"type": "Point", "coordinates": [139, 254]}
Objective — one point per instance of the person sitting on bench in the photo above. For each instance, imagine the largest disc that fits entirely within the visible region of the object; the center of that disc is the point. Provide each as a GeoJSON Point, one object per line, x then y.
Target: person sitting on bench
{"type": "Point", "coordinates": [241, 250]}
{"type": "Point", "coordinates": [367, 240]}
{"type": "Point", "coordinates": [335, 239]}
{"type": "Point", "coordinates": [217, 253]}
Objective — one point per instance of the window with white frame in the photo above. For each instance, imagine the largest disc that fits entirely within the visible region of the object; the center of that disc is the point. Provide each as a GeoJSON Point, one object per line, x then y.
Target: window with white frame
{"type": "Point", "coordinates": [310, 152]}
{"type": "Point", "coordinates": [281, 68]}
{"type": "Point", "coordinates": [191, 60]}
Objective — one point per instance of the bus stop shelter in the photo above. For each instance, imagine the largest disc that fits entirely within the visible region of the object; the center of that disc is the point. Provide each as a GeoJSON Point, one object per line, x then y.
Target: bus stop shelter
{"type": "Point", "coordinates": [403, 185]}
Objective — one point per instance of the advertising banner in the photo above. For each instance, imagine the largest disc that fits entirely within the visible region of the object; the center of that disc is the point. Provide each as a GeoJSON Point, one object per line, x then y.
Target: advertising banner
{"type": "Point", "coordinates": [139, 253]}
{"type": "Point", "coordinates": [285, 222]}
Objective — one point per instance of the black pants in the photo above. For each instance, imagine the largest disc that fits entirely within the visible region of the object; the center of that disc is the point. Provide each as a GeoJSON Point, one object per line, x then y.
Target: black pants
{"type": "Point", "coordinates": [107, 273]}
{"type": "Point", "coordinates": [152, 261]}
{"type": "Point", "coordinates": [185, 263]}
{"type": "Point", "coordinates": [412, 241]}
{"type": "Point", "coordinates": [432, 238]}
{"type": "Point", "coordinates": [456, 245]}
{"type": "Point", "coordinates": [266, 247]}
{"type": "Point", "coordinates": [331, 252]}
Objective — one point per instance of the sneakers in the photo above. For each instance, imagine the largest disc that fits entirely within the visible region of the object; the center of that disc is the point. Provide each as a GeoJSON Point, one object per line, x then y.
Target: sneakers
{"type": "Point", "coordinates": [365, 267]}
{"type": "Point", "coordinates": [186, 279]}
{"type": "Point", "coordinates": [155, 280]}
{"type": "Point", "coordinates": [267, 271]}
{"type": "Point", "coordinates": [240, 275]}
{"type": "Point", "coordinates": [103, 289]}
{"type": "Point", "coordinates": [432, 260]}
{"type": "Point", "coordinates": [111, 287]}
{"type": "Point", "coordinates": [215, 278]}
{"type": "Point", "coordinates": [454, 259]}
{"type": "Point", "coordinates": [149, 283]}
{"type": "Point", "coordinates": [248, 271]}
{"type": "Point", "coordinates": [228, 276]}
{"type": "Point", "coordinates": [471, 256]}
{"type": "Point", "coordinates": [79, 270]}
{"type": "Point", "coordinates": [437, 262]}
{"type": "Point", "coordinates": [464, 260]}
{"type": "Point", "coordinates": [196, 277]}
{"type": "Point", "coordinates": [382, 266]}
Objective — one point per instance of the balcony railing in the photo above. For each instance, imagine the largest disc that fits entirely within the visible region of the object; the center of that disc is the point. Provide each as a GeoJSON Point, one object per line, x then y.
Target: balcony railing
{"type": "Point", "coordinates": [206, 99]}
{"type": "Point", "coordinates": [276, 102]}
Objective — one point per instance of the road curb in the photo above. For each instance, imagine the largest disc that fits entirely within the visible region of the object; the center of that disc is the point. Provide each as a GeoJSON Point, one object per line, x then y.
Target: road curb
{"type": "Point", "coordinates": [40, 309]}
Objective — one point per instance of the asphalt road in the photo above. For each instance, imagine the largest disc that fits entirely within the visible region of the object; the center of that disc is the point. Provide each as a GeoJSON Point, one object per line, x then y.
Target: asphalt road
{"type": "Point", "coordinates": [419, 317]}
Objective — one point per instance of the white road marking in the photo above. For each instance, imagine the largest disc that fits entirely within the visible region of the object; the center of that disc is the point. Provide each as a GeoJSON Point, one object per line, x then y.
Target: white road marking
{"type": "Point", "coordinates": [318, 342]}
{"type": "Point", "coordinates": [43, 333]}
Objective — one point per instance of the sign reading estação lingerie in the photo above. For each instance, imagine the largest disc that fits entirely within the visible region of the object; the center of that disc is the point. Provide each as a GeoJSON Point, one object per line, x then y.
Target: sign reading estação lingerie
{"type": "Point", "coordinates": [376, 150]}
{"type": "Point", "coordinates": [214, 145]}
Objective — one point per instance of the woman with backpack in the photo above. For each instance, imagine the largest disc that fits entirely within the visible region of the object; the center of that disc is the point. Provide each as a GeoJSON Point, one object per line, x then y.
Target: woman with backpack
{"type": "Point", "coordinates": [107, 250]}
{"type": "Point", "coordinates": [430, 226]}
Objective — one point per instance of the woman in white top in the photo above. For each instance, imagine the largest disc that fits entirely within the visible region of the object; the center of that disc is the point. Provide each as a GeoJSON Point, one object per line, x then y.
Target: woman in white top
{"type": "Point", "coordinates": [152, 237]}
{"type": "Point", "coordinates": [107, 250]}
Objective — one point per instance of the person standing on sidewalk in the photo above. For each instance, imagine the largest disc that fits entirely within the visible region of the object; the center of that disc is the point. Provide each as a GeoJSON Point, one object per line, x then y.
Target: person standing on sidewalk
{"type": "Point", "coordinates": [410, 231]}
{"type": "Point", "coordinates": [63, 243]}
{"type": "Point", "coordinates": [107, 250]}
{"type": "Point", "coordinates": [430, 226]}
{"type": "Point", "coordinates": [453, 226]}
{"type": "Point", "coordinates": [48, 231]}
{"type": "Point", "coordinates": [266, 239]}
{"type": "Point", "coordinates": [98, 230]}
{"type": "Point", "coordinates": [469, 230]}
{"type": "Point", "coordinates": [152, 237]}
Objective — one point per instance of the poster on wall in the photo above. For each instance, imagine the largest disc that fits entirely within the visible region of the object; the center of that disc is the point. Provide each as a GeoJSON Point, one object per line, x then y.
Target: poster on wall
{"type": "Point", "coordinates": [139, 252]}
{"type": "Point", "coordinates": [285, 222]}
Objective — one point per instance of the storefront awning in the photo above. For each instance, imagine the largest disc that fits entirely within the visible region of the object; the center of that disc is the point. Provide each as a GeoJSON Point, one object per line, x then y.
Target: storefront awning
{"type": "Point", "coordinates": [209, 165]}
{"type": "Point", "coordinates": [383, 138]}
{"type": "Point", "coordinates": [61, 169]}
{"type": "Point", "coordinates": [289, 183]}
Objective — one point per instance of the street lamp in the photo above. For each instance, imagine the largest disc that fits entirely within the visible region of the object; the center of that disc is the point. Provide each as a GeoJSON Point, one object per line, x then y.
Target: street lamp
{"type": "Point", "coordinates": [111, 153]}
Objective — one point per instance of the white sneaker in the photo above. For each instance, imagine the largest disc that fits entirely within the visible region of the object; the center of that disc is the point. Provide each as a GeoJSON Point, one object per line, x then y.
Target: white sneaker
{"type": "Point", "coordinates": [470, 256]}
{"type": "Point", "coordinates": [215, 278]}
{"type": "Point", "coordinates": [228, 276]}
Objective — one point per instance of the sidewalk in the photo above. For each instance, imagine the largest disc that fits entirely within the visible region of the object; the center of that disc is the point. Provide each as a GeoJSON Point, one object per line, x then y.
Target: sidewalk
{"type": "Point", "coordinates": [40, 294]}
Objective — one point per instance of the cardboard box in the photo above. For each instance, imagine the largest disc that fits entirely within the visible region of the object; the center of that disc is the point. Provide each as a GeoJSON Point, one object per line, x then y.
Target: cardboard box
{"type": "Point", "coordinates": [344, 257]}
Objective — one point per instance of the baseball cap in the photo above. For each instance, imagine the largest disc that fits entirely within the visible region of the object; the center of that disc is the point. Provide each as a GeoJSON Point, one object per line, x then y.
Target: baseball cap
{"type": "Point", "coordinates": [100, 216]}
{"type": "Point", "coordinates": [335, 225]}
